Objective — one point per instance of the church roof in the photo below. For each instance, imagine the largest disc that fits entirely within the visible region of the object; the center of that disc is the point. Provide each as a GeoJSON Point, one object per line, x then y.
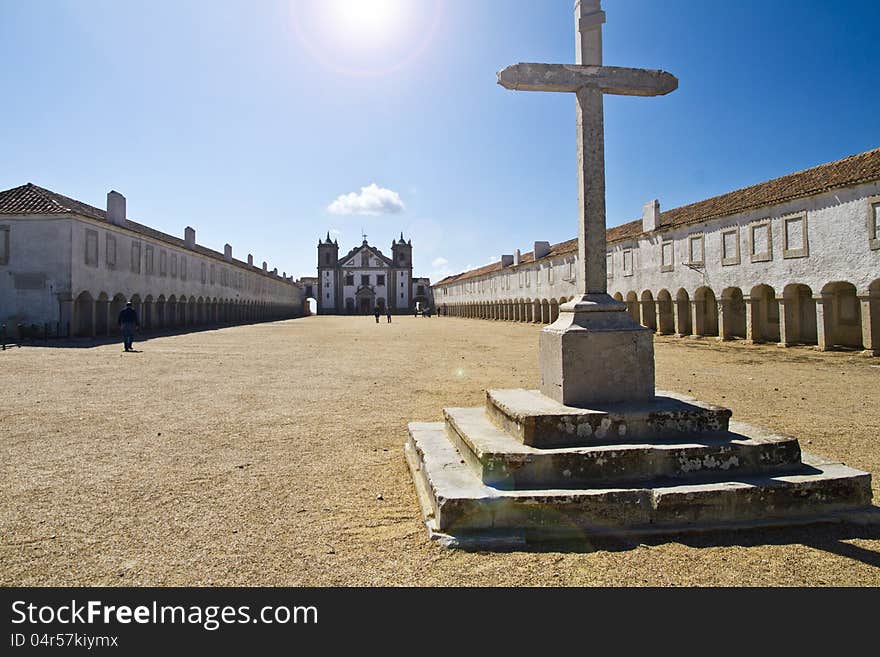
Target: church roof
{"type": "Point", "coordinates": [372, 249]}
{"type": "Point", "coordinates": [849, 171]}
{"type": "Point", "coordinates": [31, 199]}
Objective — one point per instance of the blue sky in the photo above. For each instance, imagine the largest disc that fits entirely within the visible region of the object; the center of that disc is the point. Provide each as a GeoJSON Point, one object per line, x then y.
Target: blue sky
{"type": "Point", "coordinates": [249, 120]}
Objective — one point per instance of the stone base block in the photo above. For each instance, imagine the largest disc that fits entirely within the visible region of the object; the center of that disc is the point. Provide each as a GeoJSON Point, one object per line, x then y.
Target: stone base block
{"type": "Point", "coordinates": [596, 357]}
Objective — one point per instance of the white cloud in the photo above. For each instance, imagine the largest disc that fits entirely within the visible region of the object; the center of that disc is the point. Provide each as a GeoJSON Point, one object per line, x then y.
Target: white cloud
{"type": "Point", "coordinates": [439, 263]}
{"type": "Point", "coordinates": [372, 200]}
{"type": "Point", "coordinates": [335, 233]}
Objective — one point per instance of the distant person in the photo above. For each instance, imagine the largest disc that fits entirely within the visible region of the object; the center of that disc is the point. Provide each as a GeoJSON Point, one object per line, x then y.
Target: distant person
{"type": "Point", "coordinates": [128, 323]}
{"type": "Point", "coordinates": [377, 315]}
{"type": "Point", "coordinates": [388, 315]}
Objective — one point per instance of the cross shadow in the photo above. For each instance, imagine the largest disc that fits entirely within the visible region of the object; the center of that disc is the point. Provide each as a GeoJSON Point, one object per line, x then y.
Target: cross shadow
{"type": "Point", "coordinates": [829, 537]}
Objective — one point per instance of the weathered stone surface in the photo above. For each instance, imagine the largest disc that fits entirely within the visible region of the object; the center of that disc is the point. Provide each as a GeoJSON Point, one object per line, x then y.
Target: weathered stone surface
{"type": "Point", "coordinates": [535, 419]}
{"type": "Point", "coordinates": [456, 502]}
{"type": "Point", "coordinates": [570, 78]}
{"type": "Point", "coordinates": [500, 461]}
{"type": "Point", "coordinates": [590, 358]}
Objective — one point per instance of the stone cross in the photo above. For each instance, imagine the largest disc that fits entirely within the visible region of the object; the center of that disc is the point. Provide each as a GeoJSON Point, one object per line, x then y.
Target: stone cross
{"type": "Point", "coordinates": [589, 80]}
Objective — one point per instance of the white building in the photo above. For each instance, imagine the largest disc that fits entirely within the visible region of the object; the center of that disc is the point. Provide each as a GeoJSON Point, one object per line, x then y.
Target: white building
{"type": "Point", "coordinates": [795, 260]}
{"type": "Point", "coordinates": [365, 280]}
{"type": "Point", "coordinates": [69, 268]}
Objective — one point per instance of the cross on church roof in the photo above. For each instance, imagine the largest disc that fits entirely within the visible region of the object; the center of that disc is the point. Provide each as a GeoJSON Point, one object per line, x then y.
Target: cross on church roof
{"type": "Point", "coordinates": [589, 80]}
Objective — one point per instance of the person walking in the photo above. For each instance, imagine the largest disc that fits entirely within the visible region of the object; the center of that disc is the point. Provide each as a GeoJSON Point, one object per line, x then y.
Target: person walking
{"type": "Point", "coordinates": [388, 315]}
{"type": "Point", "coordinates": [128, 323]}
{"type": "Point", "coordinates": [377, 315]}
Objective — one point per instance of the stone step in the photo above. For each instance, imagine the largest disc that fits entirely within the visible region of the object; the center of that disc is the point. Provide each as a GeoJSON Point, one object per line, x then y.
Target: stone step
{"type": "Point", "coordinates": [503, 462]}
{"type": "Point", "coordinates": [461, 509]}
{"type": "Point", "coordinates": [536, 420]}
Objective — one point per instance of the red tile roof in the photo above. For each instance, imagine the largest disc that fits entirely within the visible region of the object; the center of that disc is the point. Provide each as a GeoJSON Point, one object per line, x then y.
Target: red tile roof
{"type": "Point", "coordinates": [31, 199]}
{"type": "Point", "coordinates": [853, 170]}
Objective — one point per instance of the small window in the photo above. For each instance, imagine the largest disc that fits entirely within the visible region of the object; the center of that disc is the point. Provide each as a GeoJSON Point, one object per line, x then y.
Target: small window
{"type": "Point", "coordinates": [627, 262]}
{"type": "Point", "coordinates": [380, 279]}
{"type": "Point", "coordinates": [401, 295]}
{"type": "Point", "coordinates": [4, 245]}
{"type": "Point", "coordinates": [550, 277]}
{"type": "Point", "coordinates": [326, 258]}
{"type": "Point", "coordinates": [92, 248]}
{"type": "Point", "coordinates": [874, 222]}
{"type": "Point", "coordinates": [213, 274]}
{"type": "Point", "coordinates": [149, 262]}
{"type": "Point", "coordinates": [204, 273]}
{"type": "Point", "coordinates": [730, 254]}
{"type": "Point", "coordinates": [365, 279]}
{"type": "Point", "coordinates": [401, 258]}
{"type": "Point", "coordinates": [183, 268]}
{"type": "Point", "coordinates": [420, 289]}
{"type": "Point", "coordinates": [135, 257]}
{"type": "Point", "coordinates": [173, 265]}
{"type": "Point", "coordinates": [761, 248]}
{"type": "Point", "coordinates": [794, 236]}
{"type": "Point", "coordinates": [163, 263]}
{"type": "Point", "coordinates": [110, 251]}
{"type": "Point", "coordinates": [667, 256]}
{"type": "Point", "coordinates": [696, 250]}
{"type": "Point", "coordinates": [349, 279]}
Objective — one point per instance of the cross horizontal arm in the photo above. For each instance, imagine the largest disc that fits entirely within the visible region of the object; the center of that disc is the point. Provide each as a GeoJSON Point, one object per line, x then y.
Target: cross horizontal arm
{"type": "Point", "coordinates": [609, 79]}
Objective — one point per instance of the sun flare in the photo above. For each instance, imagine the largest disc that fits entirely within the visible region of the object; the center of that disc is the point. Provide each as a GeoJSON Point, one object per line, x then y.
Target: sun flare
{"type": "Point", "coordinates": [366, 37]}
{"type": "Point", "coordinates": [366, 20]}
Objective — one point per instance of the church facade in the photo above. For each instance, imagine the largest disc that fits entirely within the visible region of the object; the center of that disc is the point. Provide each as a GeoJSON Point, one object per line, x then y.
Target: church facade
{"type": "Point", "coordinates": [365, 280]}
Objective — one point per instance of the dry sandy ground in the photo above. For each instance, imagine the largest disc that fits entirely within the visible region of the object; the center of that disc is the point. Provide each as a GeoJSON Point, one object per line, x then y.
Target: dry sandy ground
{"type": "Point", "coordinates": [255, 455]}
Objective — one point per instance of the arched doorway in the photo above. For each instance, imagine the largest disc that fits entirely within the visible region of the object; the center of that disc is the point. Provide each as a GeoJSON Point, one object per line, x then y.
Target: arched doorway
{"type": "Point", "coordinates": [366, 299]}
{"type": "Point", "coordinates": [115, 308]}
{"type": "Point", "coordinates": [632, 306]}
{"type": "Point", "coordinates": [682, 312]}
{"type": "Point", "coordinates": [705, 321]}
{"type": "Point", "coordinates": [84, 312]}
{"type": "Point", "coordinates": [765, 314]}
{"type": "Point", "coordinates": [649, 310]}
{"type": "Point", "coordinates": [732, 322]}
{"type": "Point", "coordinates": [798, 315]}
{"type": "Point", "coordinates": [102, 314]}
{"type": "Point", "coordinates": [665, 314]}
{"type": "Point", "coordinates": [840, 317]}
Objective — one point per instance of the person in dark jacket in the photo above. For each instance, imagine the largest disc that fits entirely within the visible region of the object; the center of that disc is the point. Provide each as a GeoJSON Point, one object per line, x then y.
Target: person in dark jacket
{"type": "Point", "coordinates": [128, 323]}
{"type": "Point", "coordinates": [388, 314]}
{"type": "Point", "coordinates": [376, 313]}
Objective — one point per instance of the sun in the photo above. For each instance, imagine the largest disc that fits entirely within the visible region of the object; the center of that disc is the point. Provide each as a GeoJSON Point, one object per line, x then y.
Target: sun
{"type": "Point", "coordinates": [366, 37]}
{"type": "Point", "coordinates": [371, 21]}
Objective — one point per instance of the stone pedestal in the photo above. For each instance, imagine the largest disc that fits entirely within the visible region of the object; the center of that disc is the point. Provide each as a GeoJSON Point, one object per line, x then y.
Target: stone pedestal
{"type": "Point", "coordinates": [594, 353]}
{"type": "Point", "coordinates": [525, 468]}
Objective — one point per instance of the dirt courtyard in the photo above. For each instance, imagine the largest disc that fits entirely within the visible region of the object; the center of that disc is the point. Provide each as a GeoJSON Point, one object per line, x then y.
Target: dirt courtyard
{"type": "Point", "coordinates": [272, 455]}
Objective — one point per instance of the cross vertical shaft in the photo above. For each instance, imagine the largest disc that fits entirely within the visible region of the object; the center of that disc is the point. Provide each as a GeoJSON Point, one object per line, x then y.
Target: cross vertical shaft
{"type": "Point", "coordinates": [592, 278]}
{"type": "Point", "coordinates": [594, 353]}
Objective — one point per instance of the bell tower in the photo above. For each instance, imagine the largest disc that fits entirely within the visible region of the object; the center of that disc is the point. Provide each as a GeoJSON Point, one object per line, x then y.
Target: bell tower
{"type": "Point", "coordinates": [328, 256]}
{"type": "Point", "coordinates": [401, 252]}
